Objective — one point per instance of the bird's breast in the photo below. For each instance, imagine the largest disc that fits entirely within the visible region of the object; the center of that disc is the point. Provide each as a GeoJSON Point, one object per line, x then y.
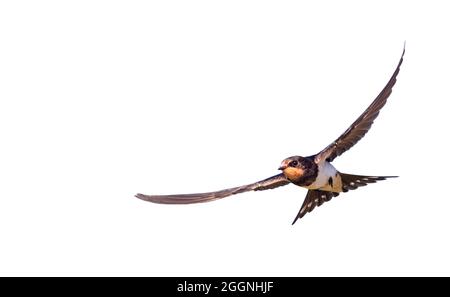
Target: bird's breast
{"type": "Point", "coordinates": [328, 179]}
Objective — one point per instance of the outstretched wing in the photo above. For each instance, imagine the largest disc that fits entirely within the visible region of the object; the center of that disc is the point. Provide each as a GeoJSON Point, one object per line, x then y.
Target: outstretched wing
{"type": "Point", "coordinates": [313, 198]}
{"type": "Point", "coordinates": [360, 127]}
{"type": "Point", "coordinates": [269, 183]}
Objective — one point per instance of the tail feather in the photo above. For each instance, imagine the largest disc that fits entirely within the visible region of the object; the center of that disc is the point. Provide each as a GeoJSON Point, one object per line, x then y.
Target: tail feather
{"type": "Point", "coordinates": [313, 198]}
{"type": "Point", "coordinates": [349, 182]}
{"type": "Point", "coordinates": [352, 182]}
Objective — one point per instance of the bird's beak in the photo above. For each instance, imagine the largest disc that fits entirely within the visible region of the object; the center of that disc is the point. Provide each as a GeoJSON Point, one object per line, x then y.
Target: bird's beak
{"type": "Point", "coordinates": [283, 165]}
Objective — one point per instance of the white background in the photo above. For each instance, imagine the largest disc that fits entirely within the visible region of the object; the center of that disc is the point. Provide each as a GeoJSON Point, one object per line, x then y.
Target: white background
{"type": "Point", "coordinates": [100, 100]}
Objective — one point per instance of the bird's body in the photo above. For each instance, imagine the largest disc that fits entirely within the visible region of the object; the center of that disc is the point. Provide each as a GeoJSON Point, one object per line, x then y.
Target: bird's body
{"type": "Point", "coordinates": [328, 179]}
{"type": "Point", "coordinates": [321, 179]}
{"type": "Point", "coordinates": [306, 173]}
{"type": "Point", "coordinates": [315, 173]}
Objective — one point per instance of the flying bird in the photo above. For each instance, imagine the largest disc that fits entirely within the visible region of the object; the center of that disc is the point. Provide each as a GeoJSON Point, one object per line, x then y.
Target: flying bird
{"type": "Point", "coordinates": [315, 173]}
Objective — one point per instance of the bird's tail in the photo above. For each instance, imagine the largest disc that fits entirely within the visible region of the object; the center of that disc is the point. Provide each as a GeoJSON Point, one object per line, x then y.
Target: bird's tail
{"type": "Point", "coordinates": [352, 182]}
{"type": "Point", "coordinates": [349, 182]}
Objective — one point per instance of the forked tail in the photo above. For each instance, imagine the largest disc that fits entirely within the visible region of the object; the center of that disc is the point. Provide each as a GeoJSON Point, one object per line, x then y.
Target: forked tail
{"type": "Point", "coordinates": [349, 182]}
{"type": "Point", "coordinates": [352, 182]}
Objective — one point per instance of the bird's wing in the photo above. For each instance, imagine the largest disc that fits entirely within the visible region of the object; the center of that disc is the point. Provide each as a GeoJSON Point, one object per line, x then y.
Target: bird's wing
{"type": "Point", "coordinates": [269, 183]}
{"type": "Point", "coordinates": [313, 198]}
{"type": "Point", "coordinates": [360, 127]}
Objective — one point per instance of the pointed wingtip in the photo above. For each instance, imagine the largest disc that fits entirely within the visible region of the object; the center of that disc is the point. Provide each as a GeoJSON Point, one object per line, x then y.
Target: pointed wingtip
{"type": "Point", "coordinates": [404, 49]}
{"type": "Point", "coordinates": [295, 220]}
{"type": "Point", "coordinates": [148, 198]}
{"type": "Point", "coordinates": [403, 53]}
{"type": "Point", "coordinates": [140, 196]}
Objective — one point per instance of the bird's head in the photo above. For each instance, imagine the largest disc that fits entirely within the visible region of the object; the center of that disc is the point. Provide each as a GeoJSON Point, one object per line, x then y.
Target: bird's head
{"type": "Point", "coordinates": [293, 167]}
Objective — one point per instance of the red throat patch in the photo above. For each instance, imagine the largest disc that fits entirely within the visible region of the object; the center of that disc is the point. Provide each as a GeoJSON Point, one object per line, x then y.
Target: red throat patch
{"type": "Point", "coordinates": [293, 173]}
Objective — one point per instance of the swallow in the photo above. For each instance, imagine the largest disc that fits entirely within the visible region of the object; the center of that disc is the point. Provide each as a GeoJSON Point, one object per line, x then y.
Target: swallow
{"type": "Point", "coordinates": [315, 173]}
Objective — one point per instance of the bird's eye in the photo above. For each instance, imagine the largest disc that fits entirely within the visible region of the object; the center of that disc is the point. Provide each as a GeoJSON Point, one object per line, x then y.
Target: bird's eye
{"type": "Point", "coordinates": [294, 163]}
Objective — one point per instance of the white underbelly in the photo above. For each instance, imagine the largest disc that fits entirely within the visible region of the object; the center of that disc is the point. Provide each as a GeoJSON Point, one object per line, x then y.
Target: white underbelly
{"type": "Point", "coordinates": [322, 182]}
